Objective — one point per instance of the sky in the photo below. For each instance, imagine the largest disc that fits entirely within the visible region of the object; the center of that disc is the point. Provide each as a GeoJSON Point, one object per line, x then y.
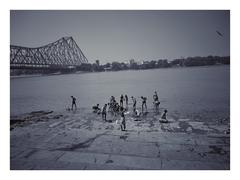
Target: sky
{"type": "Point", "coordinates": [123, 35]}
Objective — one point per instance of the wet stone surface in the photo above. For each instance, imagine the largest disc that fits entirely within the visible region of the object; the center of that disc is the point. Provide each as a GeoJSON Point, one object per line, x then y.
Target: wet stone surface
{"type": "Point", "coordinates": [82, 140]}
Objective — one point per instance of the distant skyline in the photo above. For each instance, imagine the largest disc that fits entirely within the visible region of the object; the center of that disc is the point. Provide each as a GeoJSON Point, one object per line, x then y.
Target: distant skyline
{"type": "Point", "coordinates": [122, 35]}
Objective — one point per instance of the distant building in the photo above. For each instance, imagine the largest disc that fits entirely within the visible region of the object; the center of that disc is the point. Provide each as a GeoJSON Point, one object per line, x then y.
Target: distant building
{"type": "Point", "coordinates": [131, 61]}
{"type": "Point", "coordinates": [98, 62]}
{"type": "Point", "coordinates": [107, 68]}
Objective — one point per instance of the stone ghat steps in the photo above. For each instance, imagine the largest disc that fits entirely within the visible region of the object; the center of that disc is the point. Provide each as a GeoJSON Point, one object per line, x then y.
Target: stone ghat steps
{"type": "Point", "coordinates": [81, 140]}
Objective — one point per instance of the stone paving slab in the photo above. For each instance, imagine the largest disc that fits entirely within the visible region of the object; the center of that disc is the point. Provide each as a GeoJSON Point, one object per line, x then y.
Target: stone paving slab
{"type": "Point", "coordinates": [47, 155]}
{"type": "Point", "coordinates": [136, 162]}
{"type": "Point", "coordinates": [136, 149]}
{"type": "Point", "coordinates": [192, 165]}
{"type": "Point", "coordinates": [81, 157]}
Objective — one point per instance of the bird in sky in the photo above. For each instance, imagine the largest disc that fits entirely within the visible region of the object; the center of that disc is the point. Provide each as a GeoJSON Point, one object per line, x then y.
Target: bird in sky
{"type": "Point", "coordinates": [220, 34]}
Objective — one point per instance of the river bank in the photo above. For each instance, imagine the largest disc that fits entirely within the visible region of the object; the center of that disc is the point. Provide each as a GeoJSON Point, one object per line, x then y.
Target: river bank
{"type": "Point", "coordinates": [26, 75]}
{"type": "Point", "coordinates": [82, 140]}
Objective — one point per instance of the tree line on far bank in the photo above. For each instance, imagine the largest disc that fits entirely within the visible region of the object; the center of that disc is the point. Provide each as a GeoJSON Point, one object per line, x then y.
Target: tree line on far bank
{"type": "Point", "coordinates": [132, 65]}
{"type": "Point", "coordinates": [161, 63]}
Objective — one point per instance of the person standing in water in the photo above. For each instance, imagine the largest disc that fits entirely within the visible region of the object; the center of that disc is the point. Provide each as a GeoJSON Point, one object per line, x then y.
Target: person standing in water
{"type": "Point", "coordinates": [144, 103]}
{"type": "Point", "coordinates": [121, 100]}
{"type": "Point", "coordinates": [156, 101]}
{"type": "Point", "coordinates": [155, 96]}
{"type": "Point", "coordinates": [74, 103]}
{"type": "Point", "coordinates": [126, 99]}
{"type": "Point", "coordinates": [104, 113]}
{"type": "Point", "coordinates": [134, 103]}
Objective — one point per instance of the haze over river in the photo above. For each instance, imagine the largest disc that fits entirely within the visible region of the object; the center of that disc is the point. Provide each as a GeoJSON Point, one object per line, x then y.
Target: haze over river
{"type": "Point", "coordinates": [195, 91]}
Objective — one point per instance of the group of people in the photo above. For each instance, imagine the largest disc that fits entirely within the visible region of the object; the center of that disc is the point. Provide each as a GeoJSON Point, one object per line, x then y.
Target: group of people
{"type": "Point", "coordinates": [116, 108]}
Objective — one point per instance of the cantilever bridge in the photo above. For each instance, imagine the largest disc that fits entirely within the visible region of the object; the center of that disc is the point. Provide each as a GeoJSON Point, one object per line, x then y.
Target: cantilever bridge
{"type": "Point", "coordinates": [61, 54]}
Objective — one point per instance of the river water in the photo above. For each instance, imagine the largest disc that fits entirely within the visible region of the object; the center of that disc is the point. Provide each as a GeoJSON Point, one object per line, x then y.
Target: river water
{"type": "Point", "coordinates": [183, 91]}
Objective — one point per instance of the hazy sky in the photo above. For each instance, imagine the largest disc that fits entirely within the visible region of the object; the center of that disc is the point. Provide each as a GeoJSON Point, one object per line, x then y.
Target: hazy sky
{"type": "Point", "coordinates": [122, 35]}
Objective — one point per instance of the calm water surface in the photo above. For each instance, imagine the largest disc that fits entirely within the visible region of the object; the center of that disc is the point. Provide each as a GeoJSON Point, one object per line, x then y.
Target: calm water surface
{"type": "Point", "coordinates": [181, 90]}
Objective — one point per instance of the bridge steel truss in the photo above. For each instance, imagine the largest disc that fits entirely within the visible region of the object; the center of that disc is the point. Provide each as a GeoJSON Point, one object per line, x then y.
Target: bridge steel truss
{"type": "Point", "coordinates": [60, 54]}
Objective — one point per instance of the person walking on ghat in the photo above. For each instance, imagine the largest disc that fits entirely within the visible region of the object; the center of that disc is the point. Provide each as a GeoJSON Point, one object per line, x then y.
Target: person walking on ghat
{"type": "Point", "coordinates": [104, 112]}
{"type": "Point", "coordinates": [74, 102]}
{"type": "Point", "coordinates": [121, 100]}
{"type": "Point", "coordinates": [126, 99]}
{"type": "Point", "coordinates": [134, 103]}
{"type": "Point", "coordinates": [144, 103]}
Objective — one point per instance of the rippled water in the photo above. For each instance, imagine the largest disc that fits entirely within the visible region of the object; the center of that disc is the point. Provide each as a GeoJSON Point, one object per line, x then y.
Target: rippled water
{"type": "Point", "coordinates": [181, 90]}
